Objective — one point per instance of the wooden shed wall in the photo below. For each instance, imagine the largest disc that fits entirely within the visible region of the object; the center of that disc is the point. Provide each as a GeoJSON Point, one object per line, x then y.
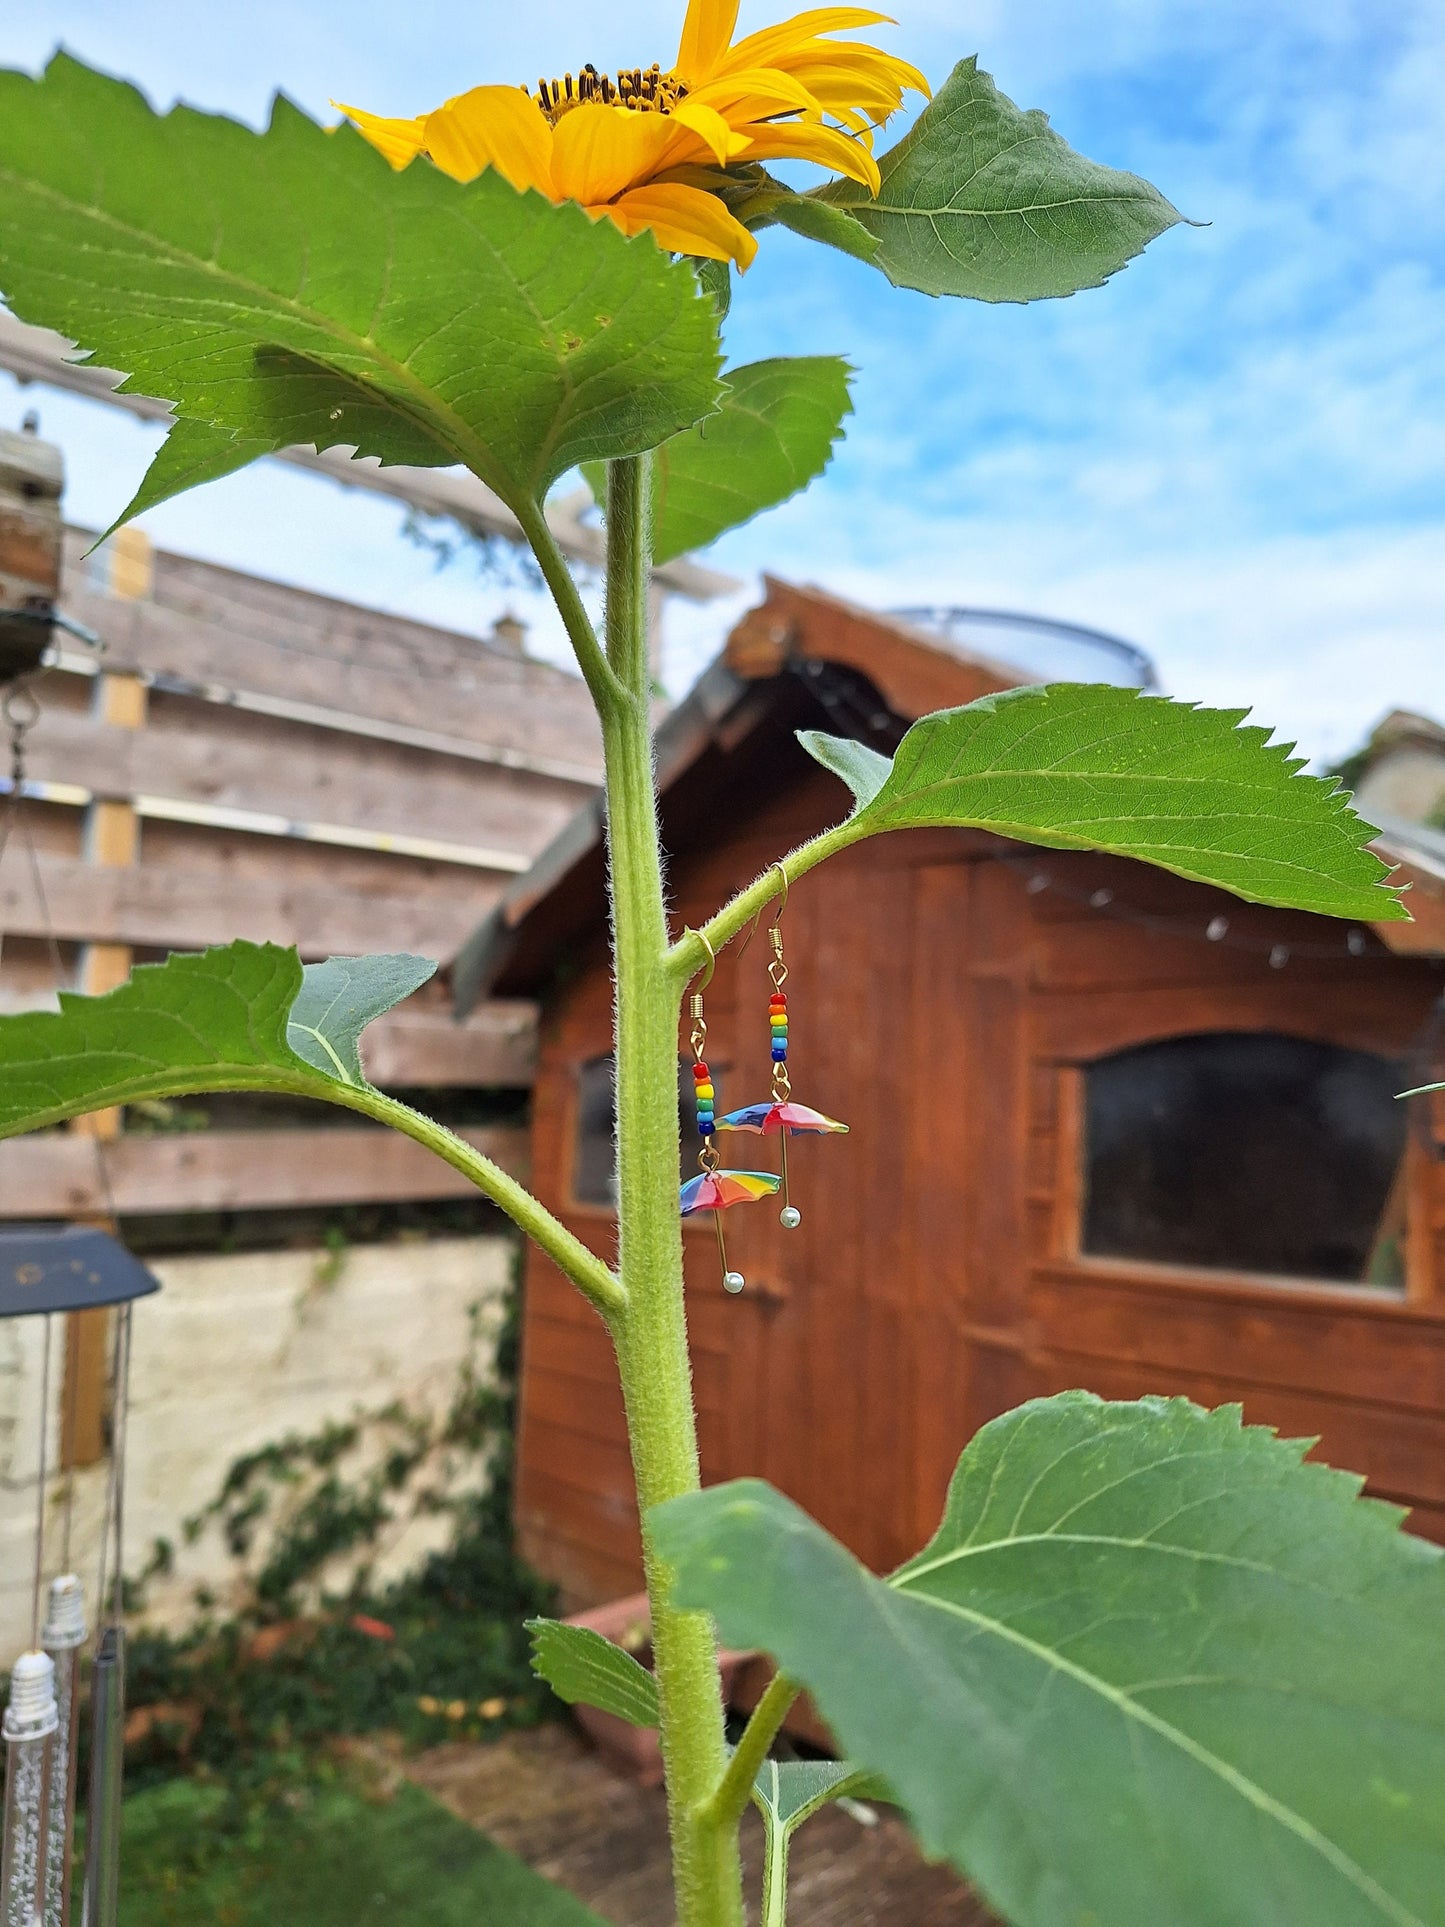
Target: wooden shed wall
{"type": "Point", "coordinates": [941, 1008]}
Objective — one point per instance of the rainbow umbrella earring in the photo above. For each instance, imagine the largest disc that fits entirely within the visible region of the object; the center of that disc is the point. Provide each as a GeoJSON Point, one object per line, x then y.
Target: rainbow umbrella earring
{"type": "Point", "coordinates": [781, 1117]}
{"type": "Point", "coordinates": [713, 1189]}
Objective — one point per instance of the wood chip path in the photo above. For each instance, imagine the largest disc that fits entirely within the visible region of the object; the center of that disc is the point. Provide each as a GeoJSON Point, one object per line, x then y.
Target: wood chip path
{"type": "Point", "coordinates": [547, 1798]}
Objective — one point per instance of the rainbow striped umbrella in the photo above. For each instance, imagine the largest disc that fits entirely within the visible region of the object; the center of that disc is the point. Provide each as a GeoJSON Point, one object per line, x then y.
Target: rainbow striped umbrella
{"type": "Point", "coordinates": [716, 1190]}
{"type": "Point", "coordinates": [768, 1119]}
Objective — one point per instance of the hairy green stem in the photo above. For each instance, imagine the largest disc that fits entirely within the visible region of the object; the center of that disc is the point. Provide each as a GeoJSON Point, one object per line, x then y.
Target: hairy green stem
{"type": "Point", "coordinates": [730, 1797]}
{"type": "Point", "coordinates": [608, 691]}
{"type": "Point", "coordinates": [571, 1257]}
{"type": "Point", "coordinates": [650, 1333]}
{"type": "Point", "coordinates": [688, 955]}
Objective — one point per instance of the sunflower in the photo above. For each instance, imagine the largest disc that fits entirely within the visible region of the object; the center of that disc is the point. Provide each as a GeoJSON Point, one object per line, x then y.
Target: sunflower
{"type": "Point", "coordinates": [650, 148]}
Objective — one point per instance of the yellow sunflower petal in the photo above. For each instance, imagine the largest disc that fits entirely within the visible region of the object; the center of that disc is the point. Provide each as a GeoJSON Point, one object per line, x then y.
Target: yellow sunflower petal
{"type": "Point", "coordinates": [710, 127]}
{"type": "Point", "coordinates": [706, 31]}
{"type": "Point", "coordinates": [759, 49]}
{"type": "Point", "coordinates": [399, 140]}
{"type": "Point", "coordinates": [755, 93]}
{"type": "Point", "coordinates": [598, 152]}
{"type": "Point", "coordinates": [685, 219]}
{"type": "Point", "coordinates": [500, 127]}
{"type": "Point", "coordinates": [868, 66]}
{"type": "Point", "coordinates": [804, 141]}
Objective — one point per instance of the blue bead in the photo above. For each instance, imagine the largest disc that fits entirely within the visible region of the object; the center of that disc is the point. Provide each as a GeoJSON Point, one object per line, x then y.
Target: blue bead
{"type": "Point", "coordinates": [780, 1051]}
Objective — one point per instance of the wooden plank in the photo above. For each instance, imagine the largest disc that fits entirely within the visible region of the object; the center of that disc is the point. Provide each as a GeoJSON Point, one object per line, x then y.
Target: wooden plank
{"type": "Point", "coordinates": [1401, 1454]}
{"type": "Point", "coordinates": [162, 906]}
{"type": "Point", "coordinates": [579, 1350]}
{"type": "Point", "coordinates": [351, 659]}
{"type": "Point", "coordinates": [1373, 1013]}
{"type": "Point", "coordinates": [582, 1405]}
{"type": "Point", "coordinates": [495, 1048]}
{"type": "Point", "coordinates": [202, 753]}
{"type": "Point", "coordinates": [1066, 1221]}
{"type": "Point", "coordinates": [1341, 1344]}
{"type": "Point", "coordinates": [61, 1175]}
{"type": "Point", "coordinates": [111, 842]}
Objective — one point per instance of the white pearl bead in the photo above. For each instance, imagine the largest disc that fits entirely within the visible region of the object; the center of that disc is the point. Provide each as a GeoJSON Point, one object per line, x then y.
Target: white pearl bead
{"type": "Point", "coordinates": [790, 1217]}
{"type": "Point", "coordinates": [733, 1281]}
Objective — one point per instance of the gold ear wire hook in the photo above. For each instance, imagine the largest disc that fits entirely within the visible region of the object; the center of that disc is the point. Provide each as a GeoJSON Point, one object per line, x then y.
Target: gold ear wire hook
{"type": "Point", "coordinates": [711, 961]}
{"type": "Point", "coordinates": [782, 906]}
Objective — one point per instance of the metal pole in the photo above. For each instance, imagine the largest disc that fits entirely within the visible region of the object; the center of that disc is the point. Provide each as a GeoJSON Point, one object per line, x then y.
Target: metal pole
{"type": "Point", "coordinates": [107, 1761]}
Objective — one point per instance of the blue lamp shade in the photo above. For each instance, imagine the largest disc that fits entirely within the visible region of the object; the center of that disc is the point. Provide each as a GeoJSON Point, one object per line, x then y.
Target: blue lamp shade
{"type": "Point", "coordinates": [66, 1267]}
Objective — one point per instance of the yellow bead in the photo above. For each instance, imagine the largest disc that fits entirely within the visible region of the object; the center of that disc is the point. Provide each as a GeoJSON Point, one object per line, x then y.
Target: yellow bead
{"type": "Point", "coordinates": [702, 1092]}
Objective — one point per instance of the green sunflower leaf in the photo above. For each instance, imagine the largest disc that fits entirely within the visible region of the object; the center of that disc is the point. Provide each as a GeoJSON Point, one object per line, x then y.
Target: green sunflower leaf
{"type": "Point", "coordinates": [289, 287]}
{"type": "Point", "coordinates": [241, 1017]}
{"type": "Point", "coordinates": [1152, 1667]}
{"type": "Point", "coordinates": [580, 1664]}
{"type": "Point", "coordinates": [814, 220]}
{"type": "Point", "coordinates": [1094, 767]}
{"type": "Point", "coordinates": [773, 433]}
{"type": "Point", "coordinates": [788, 1792]}
{"type": "Point", "coordinates": [982, 199]}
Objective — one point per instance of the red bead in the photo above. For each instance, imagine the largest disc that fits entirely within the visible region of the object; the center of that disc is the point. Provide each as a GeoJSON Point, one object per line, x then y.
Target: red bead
{"type": "Point", "coordinates": [700, 1074]}
{"type": "Point", "coordinates": [777, 1001]}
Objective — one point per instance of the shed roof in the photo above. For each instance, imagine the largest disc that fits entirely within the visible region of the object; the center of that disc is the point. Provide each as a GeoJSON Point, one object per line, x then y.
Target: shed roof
{"type": "Point", "coordinates": [801, 659]}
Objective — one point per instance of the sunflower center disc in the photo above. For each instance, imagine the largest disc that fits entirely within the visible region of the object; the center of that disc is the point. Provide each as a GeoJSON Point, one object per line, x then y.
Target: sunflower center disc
{"type": "Point", "coordinates": [648, 90]}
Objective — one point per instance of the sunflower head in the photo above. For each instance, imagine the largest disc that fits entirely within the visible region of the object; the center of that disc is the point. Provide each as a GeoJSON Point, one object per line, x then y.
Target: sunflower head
{"type": "Point", "coordinates": [658, 148]}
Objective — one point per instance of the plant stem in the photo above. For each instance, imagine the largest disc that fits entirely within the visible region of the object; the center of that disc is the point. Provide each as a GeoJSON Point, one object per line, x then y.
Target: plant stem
{"type": "Point", "coordinates": [775, 1876]}
{"type": "Point", "coordinates": [571, 1257]}
{"type": "Point", "coordinates": [731, 1796]}
{"type": "Point", "coordinates": [650, 1332]}
{"type": "Point", "coordinates": [607, 690]}
{"type": "Point", "coordinates": [688, 955]}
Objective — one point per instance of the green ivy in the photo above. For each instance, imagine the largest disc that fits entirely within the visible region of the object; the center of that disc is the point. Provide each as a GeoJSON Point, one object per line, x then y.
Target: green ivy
{"type": "Point", "coordinates": [251, 1722]}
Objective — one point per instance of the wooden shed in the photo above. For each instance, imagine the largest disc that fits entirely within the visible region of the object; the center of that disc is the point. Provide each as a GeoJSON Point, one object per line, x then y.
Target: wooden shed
{"type": "Point", "coordinates": [1108, 1129]}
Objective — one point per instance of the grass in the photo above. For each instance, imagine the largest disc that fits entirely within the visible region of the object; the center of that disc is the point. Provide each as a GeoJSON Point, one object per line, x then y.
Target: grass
{"type": "Point", "coordinates": [331, 1857]}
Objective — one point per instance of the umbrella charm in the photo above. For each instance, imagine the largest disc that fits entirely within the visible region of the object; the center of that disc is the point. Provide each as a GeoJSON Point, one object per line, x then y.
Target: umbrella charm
{"type": "Point", "coordinates": [713, 1189]}
{"type": "Point", "coordinates": [781, 1118]}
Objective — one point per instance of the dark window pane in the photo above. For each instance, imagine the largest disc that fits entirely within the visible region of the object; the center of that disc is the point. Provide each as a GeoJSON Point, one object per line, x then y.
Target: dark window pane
{"type": "Point", "coordinates": [1245, 1152]}
{"type": "Point", "coordinates": [594, 1163]}
{"type": "Point", "coordinates": [594, 1154]}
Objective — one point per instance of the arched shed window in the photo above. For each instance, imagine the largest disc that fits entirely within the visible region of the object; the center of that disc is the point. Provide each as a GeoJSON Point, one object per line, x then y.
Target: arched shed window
{"type": "Point", "coordinates": [1243, 1151]}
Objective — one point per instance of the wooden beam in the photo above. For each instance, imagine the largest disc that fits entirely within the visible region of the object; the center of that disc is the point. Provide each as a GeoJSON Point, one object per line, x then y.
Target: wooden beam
{"type": "Point", "coordinates": [162, 907]}
{"type": "Point", "coordinates": [196, 752]}
{"type": "Point", "coordinates": [496, 1047]}
{"type": "Point", "coordinates": [111, 842]}
{"type": "Point", "coordinates": [356, 665]}
{"type": "Point", "coordinates": [63, 1176]}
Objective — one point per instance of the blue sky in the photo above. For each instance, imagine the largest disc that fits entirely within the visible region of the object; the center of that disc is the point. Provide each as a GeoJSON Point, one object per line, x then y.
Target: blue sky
{"type": "Point", "coordinates": [1234, 454]}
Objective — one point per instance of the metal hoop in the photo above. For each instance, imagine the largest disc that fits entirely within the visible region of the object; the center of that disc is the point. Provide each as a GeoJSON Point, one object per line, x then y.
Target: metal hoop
{"type": "Point", "coordinates": [20, 708]}
{"type": "Point", "coordinates": [711, 961]}
{"type": "Point", "coordinates": [753, 926]}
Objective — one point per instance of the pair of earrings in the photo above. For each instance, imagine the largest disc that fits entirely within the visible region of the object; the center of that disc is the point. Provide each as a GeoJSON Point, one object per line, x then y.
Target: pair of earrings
{"type": "Point", "coordinates": [715, 1189]}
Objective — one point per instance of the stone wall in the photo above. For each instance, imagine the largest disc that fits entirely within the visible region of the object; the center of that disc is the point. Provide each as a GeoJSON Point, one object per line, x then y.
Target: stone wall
{"type": "Point", "coordinates": [234, 1354]}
